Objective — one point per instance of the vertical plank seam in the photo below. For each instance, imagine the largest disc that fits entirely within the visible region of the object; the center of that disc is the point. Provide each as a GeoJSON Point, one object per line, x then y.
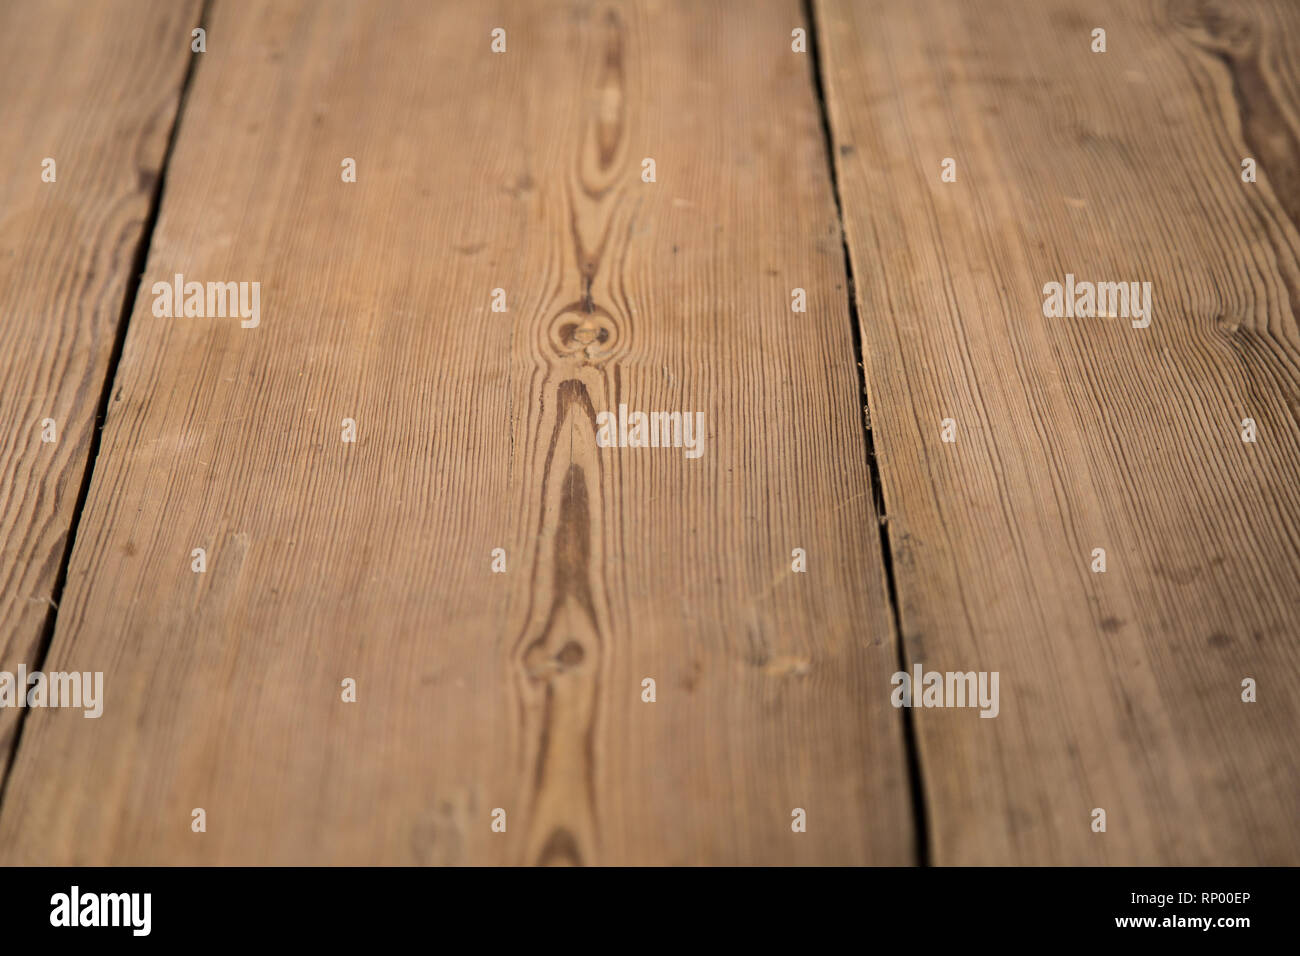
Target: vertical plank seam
{"type": "Point", "coordinates": [135, 277]}
{"type": "Point", "coordinates": [915, 780]}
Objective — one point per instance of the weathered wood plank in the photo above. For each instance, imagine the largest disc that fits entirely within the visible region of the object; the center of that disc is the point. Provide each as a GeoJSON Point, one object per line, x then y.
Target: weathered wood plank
{"type": "Point", "coordinates": [94, 88]}
{"type": "Point", "coordinates": [1119, 690]}
{"type": "Point", "coordinates": [477, 430]}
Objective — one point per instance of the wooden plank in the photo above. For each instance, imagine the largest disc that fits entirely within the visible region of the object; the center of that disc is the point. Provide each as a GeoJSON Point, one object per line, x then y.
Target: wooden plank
{"type": "Point", "coordinates": [477, 430]}
{"type": "Point", "coordinates": [94, 88]}
{"type": "Point", "coordinates": [1118, 690]}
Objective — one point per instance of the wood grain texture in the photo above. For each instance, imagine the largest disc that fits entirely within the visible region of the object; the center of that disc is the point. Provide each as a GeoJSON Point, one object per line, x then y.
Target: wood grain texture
{"type": "Point", "coordinates": [476, 430]}
{"type": "Point", "coordinates": [95, 88]}
{"type": "Point", "coordinates": [1118, 690]}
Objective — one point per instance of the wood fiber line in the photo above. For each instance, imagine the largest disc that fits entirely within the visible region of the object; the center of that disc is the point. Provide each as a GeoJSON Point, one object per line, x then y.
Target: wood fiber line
{"type": "Point", "coordinates": [1119, 690]}
{"type": "Point", "coordinates": [477, 430]}
{"type": "Point", "coordinates": [94, 88]}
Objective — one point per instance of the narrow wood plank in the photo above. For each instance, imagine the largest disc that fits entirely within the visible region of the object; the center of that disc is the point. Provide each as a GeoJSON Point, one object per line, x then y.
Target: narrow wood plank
{"type": "Point", "coordinates": [476, 430]}
{"type": "Point", "coordinates": [1119, 690]}
{"type": "Point", "coordinates": [94, 88]}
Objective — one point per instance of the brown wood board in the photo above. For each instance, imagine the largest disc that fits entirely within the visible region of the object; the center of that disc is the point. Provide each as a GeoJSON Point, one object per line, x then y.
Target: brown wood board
{"type": "Point", "coordinates": [475, 430]}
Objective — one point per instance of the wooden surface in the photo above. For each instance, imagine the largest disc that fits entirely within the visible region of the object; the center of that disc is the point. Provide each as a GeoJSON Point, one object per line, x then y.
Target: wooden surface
{"type": "Point", "coordinates": [1120, 690]}
{"type": "Point", "coordinates": [476, 430]}
{"type": "Point", "coordinates": [95, 88]}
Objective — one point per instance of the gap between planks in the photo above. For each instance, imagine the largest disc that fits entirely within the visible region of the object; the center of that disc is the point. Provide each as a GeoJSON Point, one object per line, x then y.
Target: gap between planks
{"type": "Point", "coordinates": [134, 280]}
{"type": "Point", "coordinates": [916, 781]}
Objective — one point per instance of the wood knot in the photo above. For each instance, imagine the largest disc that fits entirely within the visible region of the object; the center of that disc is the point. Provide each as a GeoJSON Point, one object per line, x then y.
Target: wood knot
{"type": "Point", "coordinates": [584, 331]}
{"type": "Point", "coordinates": [541, 665]}
{"type": "Point", "coordinates": [1217, 25]}
{"type": "Point", "coordinates": [571, 655]}
{"type": "Point", "coordinates": [1227, 324]}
